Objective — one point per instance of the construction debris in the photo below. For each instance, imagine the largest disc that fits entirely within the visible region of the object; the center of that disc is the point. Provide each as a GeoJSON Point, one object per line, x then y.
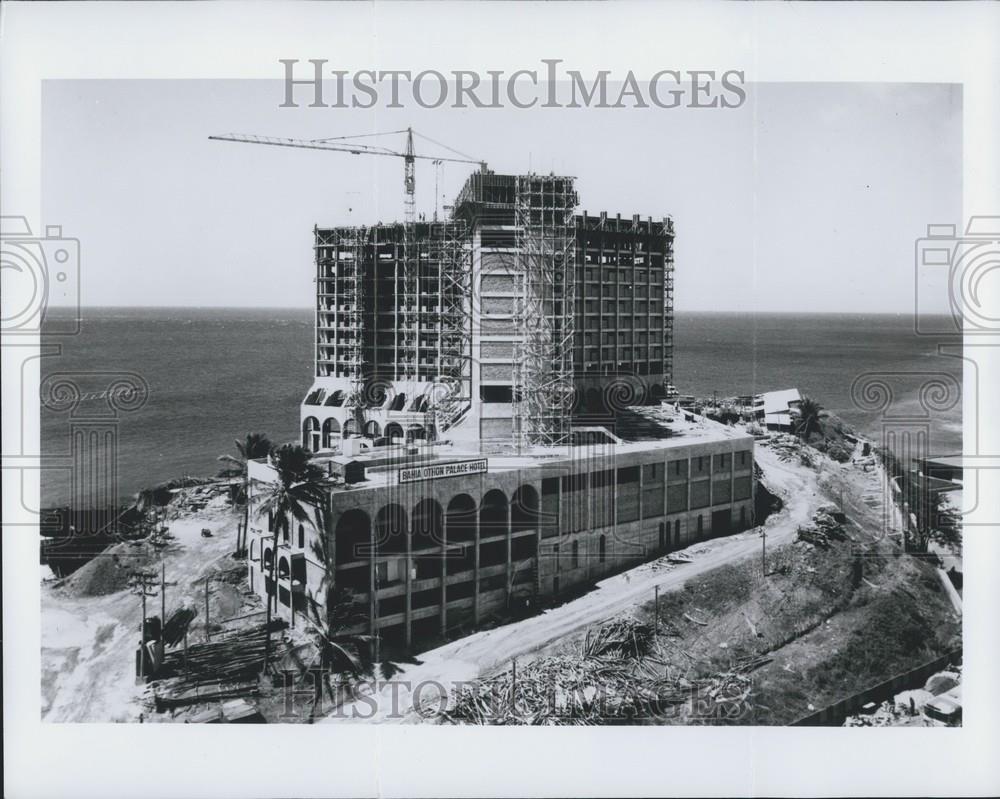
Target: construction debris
{"type": "Point", "coordinates": [227, 667]}
{"type": "Point", "coordinates": [177, 626]}
{"type": "Point", "coordinates": [825, 528]}
{"type": "Point", "coordinates": [619, 675]}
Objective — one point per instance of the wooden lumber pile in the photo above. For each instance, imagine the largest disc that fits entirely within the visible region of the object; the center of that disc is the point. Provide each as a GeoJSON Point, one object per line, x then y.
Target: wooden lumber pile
{"type": "Point", "coordinates": [623, 638]}
{"type": "Point", "coordinates": [177, 626]}
{"type": "Point", "coordinates": [223, 668]}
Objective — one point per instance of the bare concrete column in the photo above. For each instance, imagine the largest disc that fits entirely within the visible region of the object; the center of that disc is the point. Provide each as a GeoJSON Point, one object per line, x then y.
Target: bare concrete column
{"type": "Point", "coordinates": [372, 582]}
{"type": "Point", "coordinates": [732, 492]}
{"type": "Point", "coordinates": [510, 564]}
{"type": "Point", "coordinates": [687, 514]}
{"type": "Point", "coordinates": [444, 572]}
{"type": "Point", "coordinates": [409, 587]}
{"type": "Point", "coordinates": [475, 572]}
{"type": "Point", "coordinates": [642, 514]}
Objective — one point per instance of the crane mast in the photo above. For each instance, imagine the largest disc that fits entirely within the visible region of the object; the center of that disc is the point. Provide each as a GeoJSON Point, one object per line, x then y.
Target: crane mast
{"type": "Point", "coordinates": [409, 179]}
{"type": "Point", "coordinates": [409, 318]}
{"type": "Point", "coordinates": [408, 280]}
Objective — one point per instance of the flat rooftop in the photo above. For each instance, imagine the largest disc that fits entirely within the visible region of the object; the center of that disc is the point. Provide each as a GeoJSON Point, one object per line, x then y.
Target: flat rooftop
{"type": "Point", "coordinates": [642, 429]}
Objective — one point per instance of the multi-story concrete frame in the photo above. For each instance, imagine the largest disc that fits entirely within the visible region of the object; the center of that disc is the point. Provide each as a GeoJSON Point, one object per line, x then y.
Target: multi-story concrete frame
{"type": "Point", "coordinates": [429, 548]}
{"type": "Point", "coordinates": [392, 322]}
{"type": "Point", "coordinates": [622, 301]}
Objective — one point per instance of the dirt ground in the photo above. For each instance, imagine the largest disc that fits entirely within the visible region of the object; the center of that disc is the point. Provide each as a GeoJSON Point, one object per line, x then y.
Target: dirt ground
{"type": "Point", "coordinates": [828, 623]}
{"type": "Point", "coordinates": [89, 642]}
{"type": "Point", "coordinates": [833, 621]}
{"type": "Point", "coordinates": [485, 651]}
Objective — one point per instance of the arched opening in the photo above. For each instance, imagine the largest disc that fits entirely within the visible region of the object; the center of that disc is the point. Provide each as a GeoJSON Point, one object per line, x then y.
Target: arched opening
{"type": "Point", "coordinates": [493, 514]}
{"type": "Point", "coordinates": [352, 537]}
{"type": "Point", "coordinates": [427, 519]}
{"type": "Point", "coordinates": [493, 524]}
{"type": "Point", "coordinates": [284, 529]}
{"type": "Point", "coordinates": [657, 392]}
{"type": "Point", "coordinates": [310, 434]}
{"type": "Point", "coordinates": [372, 429]}
{"type": "Point", "coordinates": [398, 402]}
{"type": "Point", "coordinates": [283, 568]}
{"type": "Point", "coordinates": [393, 431]}
{"type": "Point", "coordinates": [331, 432]}
{"type": "Point", "coordinates": [302, 536]}
{"type": "Point", "coordinates": [253, 550]}
{"type": "Point", "coordinates": [524, 509]}
{"type": "Point", "coordinates": [461, 518]}
{"type": "Point", "coordinates": [350, 428]}
{"type": "Point", "coordinates": [427, 522]}
{"type": "Point", "coordinates": [268, 560]}
{"type": "Point", "coordinates": [391, 529]}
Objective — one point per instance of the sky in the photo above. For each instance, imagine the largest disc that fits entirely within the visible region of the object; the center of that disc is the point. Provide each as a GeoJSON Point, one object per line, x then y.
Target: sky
{"type": "Point", "coordinates": [808, 198]}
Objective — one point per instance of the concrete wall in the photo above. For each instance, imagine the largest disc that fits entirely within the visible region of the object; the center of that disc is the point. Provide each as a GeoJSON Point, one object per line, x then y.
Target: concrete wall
{"type": "Point", "coordinates": [582, 520]}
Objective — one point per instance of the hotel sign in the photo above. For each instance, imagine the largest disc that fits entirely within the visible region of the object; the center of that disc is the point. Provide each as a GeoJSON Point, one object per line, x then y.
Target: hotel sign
{"type": "Point", "coordinates": [435, 470]}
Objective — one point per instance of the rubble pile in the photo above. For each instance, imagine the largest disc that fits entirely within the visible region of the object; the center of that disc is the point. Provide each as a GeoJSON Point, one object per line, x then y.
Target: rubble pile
{"type": "Point", "coordinates": [198, 497]}
{"type": "Point", "coordinates": [786, 447]}
{"type": "Point", "coordinates": [827, 525]}
{"type": "Point", "coordinates": [620, 675]}
{"type": "Point", "coordinates": [884, 715]}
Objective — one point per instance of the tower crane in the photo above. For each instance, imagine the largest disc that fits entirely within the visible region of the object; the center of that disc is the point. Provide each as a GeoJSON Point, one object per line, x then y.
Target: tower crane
{"type": "Point", "coordinates": [408, 307]}
{"type": "Point", "coordinates": [346, 144]}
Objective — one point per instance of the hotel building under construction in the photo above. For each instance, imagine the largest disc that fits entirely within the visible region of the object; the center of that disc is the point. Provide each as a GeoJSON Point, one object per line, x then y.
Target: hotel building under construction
{"type": "Point", "coordinates": [487, 403]}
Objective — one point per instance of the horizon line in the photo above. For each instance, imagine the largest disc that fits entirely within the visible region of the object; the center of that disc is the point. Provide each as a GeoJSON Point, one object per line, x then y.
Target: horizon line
{"type": "Point", "coordinates": [312, 308]}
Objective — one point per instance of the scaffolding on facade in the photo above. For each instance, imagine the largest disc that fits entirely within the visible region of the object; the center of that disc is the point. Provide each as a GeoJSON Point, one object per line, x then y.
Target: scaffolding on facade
{"type": "Point", "coordinates": [408, 317]}
{"type": "Point", "coordinates": [452, 320]}
{"type": "Point", "coordinates": [340, 268]}
{"type": "Point", "coordinates": [668, 301]}
{"type": "Point", "coordinates": [545, 239]}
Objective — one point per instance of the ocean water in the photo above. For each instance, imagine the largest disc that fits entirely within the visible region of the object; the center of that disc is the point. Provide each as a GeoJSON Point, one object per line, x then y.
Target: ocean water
{"type": "Point", "coordinates": [215, 374]}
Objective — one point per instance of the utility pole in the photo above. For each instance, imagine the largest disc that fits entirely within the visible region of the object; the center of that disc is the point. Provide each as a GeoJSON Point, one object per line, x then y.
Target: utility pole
{"type": "Point", "coordinates": [656, 610]}
{"type": "Point", "coordinates": [763, 551]}
{"type": "Point", "coordinates": [163, 595]}
{"type": "Point", "coordinates": [141, 583]}
{"type": "Point", "coordinates": [208, 631]}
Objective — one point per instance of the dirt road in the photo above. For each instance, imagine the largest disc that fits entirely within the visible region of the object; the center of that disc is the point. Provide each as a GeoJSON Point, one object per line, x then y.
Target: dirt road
{"type": "Point", "coordinates": [480, 653]}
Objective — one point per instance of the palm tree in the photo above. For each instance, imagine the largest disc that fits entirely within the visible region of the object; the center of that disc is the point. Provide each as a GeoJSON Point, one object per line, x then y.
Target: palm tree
{"type": "Point", "coordinates": [255, 445]}
{"type": "Point", "coordinates": [337, 649]}
{"type": "Point", "coordinates": [808, 418]}
{"type": "Point", "coordinates": [297, 489]}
